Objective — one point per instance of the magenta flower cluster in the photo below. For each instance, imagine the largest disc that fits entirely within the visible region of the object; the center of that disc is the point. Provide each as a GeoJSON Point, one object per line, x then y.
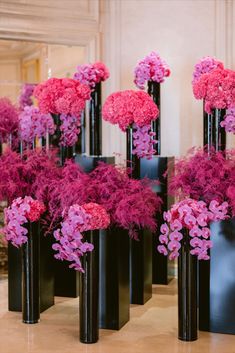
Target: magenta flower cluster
{"type": "Point", "coordinates": [25, 98]}
{"type": "Point", "coordinates": [128, 107]}
{"type": "Point", "coordinates": [143, 141]}
{"type": "Point", "coordinates": [217, 88]}
{"type": "Point", "coordinates": [33, 123]}
{"type": "Point", "coordinates": [205, 178]}
{"type": "Point", "coordinates": [70, 241]}
{"type": "Point", "coordinates": [9, 119]}
{"type": "Point", "coordinates": [91, 74]}
{"type": "Point", "coordinates": [21, 211]}
{"type": "Point", "coordinates": [229, 120]}
{"type": "Point", "coordinates": [204, 66]}
{"type": "Point", "coordinates": [62, 96]}
{"type": "Point", "coordinates": [189, 220]}
{"type": "Point", "coordinates": [151, 68]}
{"type": "Point", "coordinates": [69, 129]}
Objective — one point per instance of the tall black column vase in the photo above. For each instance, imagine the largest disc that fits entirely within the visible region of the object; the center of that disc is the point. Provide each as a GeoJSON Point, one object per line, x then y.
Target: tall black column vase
{"type": "Point", "coordinates": [80, 147]}
{"type": "Point", "coordinates": [114, 293]}
{"type": "Point", "coordinates": [89, 291]}
{"type": "Point", "coordinates": [154, 92]}
{"type": "Point", "coordinates": [214, 134]}
{"type": "Point", "coordinates": [217, 281]}
{"type": "Point", "coordinates": [140, 250]}
{"type": "Point", "coordinates": [30, 275]}
{"type": "Point", "coordinates": [95, 121]}
{"type": "Point", "coordinates": [187, 293]}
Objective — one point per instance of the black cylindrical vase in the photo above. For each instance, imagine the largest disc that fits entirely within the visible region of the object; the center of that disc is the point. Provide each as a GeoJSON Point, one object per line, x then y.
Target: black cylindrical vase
{"type": "Point", "coordinates": [80, 147]}
{"type": "Point", "coordinates": [132, 161]}
{"type": "Point", "coordinates": [95, 121]}
{"type": "Point", "coordinates": [89, 291]}
{"type": "Point", "coordinates": [155, 93]}
{"type": "Point", "coordinates": [187, 293]}
{"type": "Point", "coordinates": [214, 135]}
{"type": "Point", "coordinates": [31, 275]}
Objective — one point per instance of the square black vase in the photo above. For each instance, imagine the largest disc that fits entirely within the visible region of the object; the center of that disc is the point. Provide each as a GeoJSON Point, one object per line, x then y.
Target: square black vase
{"type": "Point", "coordinates": [114, 293]}
{"type": "Point", "coordinates": [155, 169]}
{"type": "Point", "coordinates": [217, 281]}
{"type": "Point", "coordinates": [46, 276]}
{"type": "Point", "coordinates": [66, 279]}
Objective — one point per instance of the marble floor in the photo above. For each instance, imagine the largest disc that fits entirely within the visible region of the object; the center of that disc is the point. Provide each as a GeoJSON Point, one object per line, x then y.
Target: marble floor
{"type": "Point", "coordinates": [152, 329]}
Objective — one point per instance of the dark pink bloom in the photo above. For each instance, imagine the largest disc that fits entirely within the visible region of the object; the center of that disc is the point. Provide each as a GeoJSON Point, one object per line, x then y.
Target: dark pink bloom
{"type": "Point", "coordinates": [163, 238]}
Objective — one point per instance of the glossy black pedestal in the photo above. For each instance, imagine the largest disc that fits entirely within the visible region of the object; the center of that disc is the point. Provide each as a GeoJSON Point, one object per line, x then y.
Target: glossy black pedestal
{"type": "Point", "coordinates": [46, 276]}
{"type": "Point", "coordinates": [114, 294]}
{"type": "Point", "coordinates": [66, 279]}
{"type": "Point", "coordinates": [141, 268]}
{"type": "Point", "coordinates": [217, 281]}
{"type": "Point", "coordinates": [154, 169]}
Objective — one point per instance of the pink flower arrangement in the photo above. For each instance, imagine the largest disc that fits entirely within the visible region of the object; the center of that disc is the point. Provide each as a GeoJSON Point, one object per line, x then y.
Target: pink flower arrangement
{"type": "Point", "coordinates": [21, 211]}
{"type": "Point", "coordinates": [25, 98]}
{"type": "Point", "coordinates": [128, 107]}
{"type": "Point", "coordinates": [99, 218]}
{"type": "Point", "coordinates": [229, 121]}
{"type": "Point", "coordinates": [137, 109]}
{"type": "Point", "coordinates": [151, 68]}
{"type": "Point", "coordinates": [217, 88]}
{"type": "Point", "coordinates": [33, 123]}
{"type": "Point", "coordinates": [143, 141]}
{"type": "Point", "coordinates": [9, 120]}
{"type": "Point", "coordinates": [91, 74]}
{"type": "Point", "coordinates": [203, 177]}
{"type": "Point", "coordinates": [206, 65]}
{"type": "Point", "coordinates": [131, 203]}
{"type": "Point", "coordinates": [62, 96]}
{"type": "Point", "coordinates": [19, 176]}
{"type": "Point", "coordinates": [190, 219]}
{"type": "Point", "coordinates": [71, 245]}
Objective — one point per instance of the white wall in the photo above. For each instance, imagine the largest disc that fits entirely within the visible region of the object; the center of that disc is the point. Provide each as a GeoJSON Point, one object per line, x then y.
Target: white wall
{"type": "Point", "coordinates": [10, 77]}
{"type": "Point", "coordinates": [182, 31]}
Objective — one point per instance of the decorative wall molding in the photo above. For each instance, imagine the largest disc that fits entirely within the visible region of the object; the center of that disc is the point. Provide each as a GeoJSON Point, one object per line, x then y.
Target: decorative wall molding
{"type": "Point", "coordinates": [225, 31]}
{"type": "Point", "coordinates": [60, 22]}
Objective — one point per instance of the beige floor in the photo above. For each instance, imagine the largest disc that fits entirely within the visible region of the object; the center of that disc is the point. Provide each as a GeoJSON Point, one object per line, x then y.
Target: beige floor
{"type": "Point", "coordinates": [152, 329]}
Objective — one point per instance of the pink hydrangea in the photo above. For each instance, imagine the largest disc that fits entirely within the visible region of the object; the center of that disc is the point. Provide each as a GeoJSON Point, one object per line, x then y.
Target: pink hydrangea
{"type": "Point", "coordinates": [151, 68]}
{"type": "Point", "coordinates": [33, 123]}
{"type": "Point", "coordinates": [62, 96]}
{"type": "Point", "coordinates": [70, 241]}
{"type": "Point", "coordinates": [190, 218]}
{"type": "Point", "coordinates": [128, 107]}
{"type": "Point", "coordinates": [217, 88]}
{"type": "Point", "coordinates": [229, 120]}
{"type": "Point", "coordinates": [21, 211]}
{"type": "Point", "coordinates": [206, 65]}
{"type": "Point", "coordinates": [99, 217]}
{"type": "Point", "coordinates": [9, 119]}
{"type": "Point", "coordinates": [91, 74]}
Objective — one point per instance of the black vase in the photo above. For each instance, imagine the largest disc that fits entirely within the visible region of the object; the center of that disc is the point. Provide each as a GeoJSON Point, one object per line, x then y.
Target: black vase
{"type": "Point", "coordinates": [80, 147]}
{"type": "Point", "coordinates": [114, 293]}
{"type": "Point", "coordinates": [155, 93]}
{"type": "Point", "coordinates": [89, 291]}
{"type": "Point", "coordinates": [133, 162]}
{"type": "Point", "coordinates": [187, 293]}
{"type": "Point", "coordinates": [30, 275]}
{"type": "Point", "coordinates": [214, 134]}
{"type": "Point", "coordinates": [95, 121]}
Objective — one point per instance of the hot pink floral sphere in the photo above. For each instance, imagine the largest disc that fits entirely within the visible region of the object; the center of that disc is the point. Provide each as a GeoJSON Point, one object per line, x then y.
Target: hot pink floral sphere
{"type": "Point", "coordinates": [62, 96]}
{"type": "Point", "coordinates": [128, 107]}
